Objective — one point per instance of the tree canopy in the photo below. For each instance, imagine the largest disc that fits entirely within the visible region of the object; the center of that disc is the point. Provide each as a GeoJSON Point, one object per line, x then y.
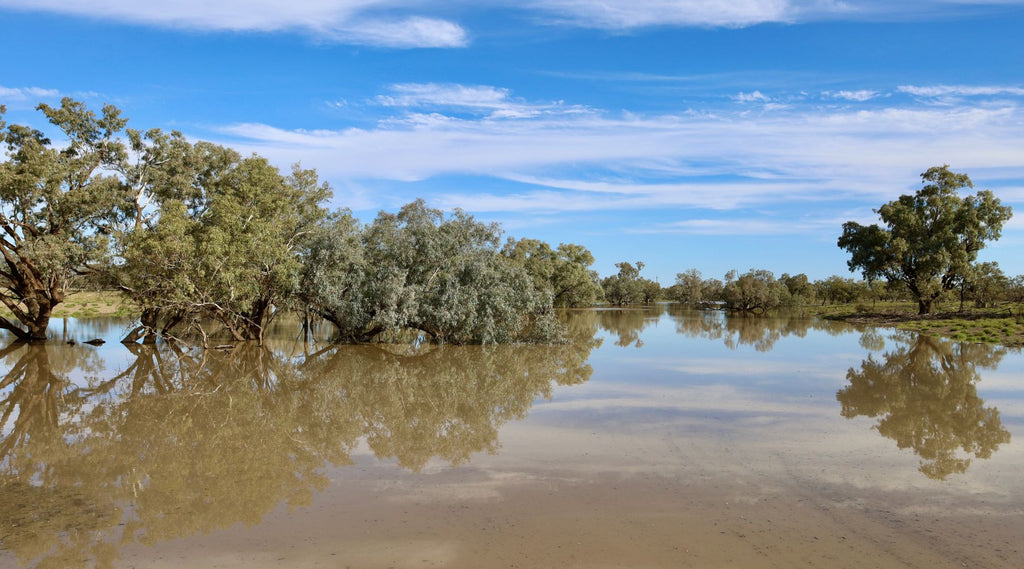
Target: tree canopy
{"type": "Point", "coordinates": [930, 240]}
{"type": "Point", "coordinates": [564, 273]}
{"type": "Point", "coordinates": [54, 203]}
{"type": "Point", "coordinates": [419, 269]}
{"type": "Point", "coordinates": [195, 232]}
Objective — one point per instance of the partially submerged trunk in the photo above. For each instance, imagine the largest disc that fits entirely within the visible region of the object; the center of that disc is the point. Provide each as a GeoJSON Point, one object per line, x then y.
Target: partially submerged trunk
{"type": "Point", "coordinates": [33, 314]}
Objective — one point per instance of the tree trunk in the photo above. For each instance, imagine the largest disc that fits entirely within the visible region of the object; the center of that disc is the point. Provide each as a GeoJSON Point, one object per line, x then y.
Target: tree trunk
{"type": "Point", "coordinates": [38, 323]}
{"type": "Point", "coordinates": [924, 306]}
{"type": "Point", "coordinates": [146, 330]}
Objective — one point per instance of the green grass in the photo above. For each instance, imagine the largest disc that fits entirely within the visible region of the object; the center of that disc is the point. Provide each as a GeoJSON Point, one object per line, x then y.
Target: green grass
{"type": "Point", "coordinates": [91, 304]}
{"type": "Point", "coordinates": [1003, 325]}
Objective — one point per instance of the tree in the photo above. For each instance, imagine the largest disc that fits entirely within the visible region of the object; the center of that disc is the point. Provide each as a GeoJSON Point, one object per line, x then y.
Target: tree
{"type": "Point", "coordinates": [689, 287]}
{"type": "Point", "coordinates": [420, 269]}
{"type": "Point", "coordinates": [799, 287]}
{"type": "Point", "coordinates": [930, 239]}
{"type": "Point", "coordinates": [206, 232]}
{"type": "Point", "coordinates": [986, 284]}
{"type": "Point", "coordinates": [627, 286]}
{"type": "Point", "coordinates": [757, 290]}
{"type": "Point", "coordinates": [54, 206]}
{"type": "Point", "coordinates": [564, 273]}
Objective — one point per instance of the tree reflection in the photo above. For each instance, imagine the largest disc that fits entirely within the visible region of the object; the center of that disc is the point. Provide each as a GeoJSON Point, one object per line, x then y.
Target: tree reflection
{"type": "Point", "coordinates": [925, 396]}
{"type": "Point", "coordinates": [760, 332]}
{"type": "Point", "coordinates": [185, 441]}
{"type": "Point", "coordinates": [627, 323]}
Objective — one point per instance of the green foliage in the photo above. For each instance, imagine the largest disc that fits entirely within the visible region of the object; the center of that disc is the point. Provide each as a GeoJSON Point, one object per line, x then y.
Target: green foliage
{"type": "Point", "coordinates": [563, 273]}
{"type": "Point", "coordinates": [930, 239]}
{"type": "Point", "coordinates": [418, 269]}
{"type": "Point", "coordinates": [209, 233]}
{"type": "Point", "coordinates": [628, 287]}
{"type": "Point", "coordinates": [691, 288]}
{"type": "Point", "coordinates": [55, 202]}
{"type": "Point", "coordinates": [757, 290]}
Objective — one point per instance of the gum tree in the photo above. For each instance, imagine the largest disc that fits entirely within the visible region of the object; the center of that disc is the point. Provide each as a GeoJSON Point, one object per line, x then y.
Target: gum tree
{"type": "Point", "coordinates": [419, 269]}
{"type": "Point", "coordinates": [930, 240]}
{"type": "Point", "coordinates": [564, 273]}
{"type": "Point", "coordinates": [56, 199]}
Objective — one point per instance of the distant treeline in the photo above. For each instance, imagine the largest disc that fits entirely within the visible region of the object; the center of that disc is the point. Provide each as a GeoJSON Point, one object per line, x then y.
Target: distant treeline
{"type": "Point", "coordinates": [760, 290]}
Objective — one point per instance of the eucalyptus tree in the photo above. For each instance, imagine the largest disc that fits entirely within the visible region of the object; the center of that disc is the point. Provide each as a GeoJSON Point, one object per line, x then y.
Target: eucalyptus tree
{"type": "Point", "coordinates": [757, 290]}
{"type": "Point", "coordinates": [207, 232]}
{"type": "Point", "coordinates": [249, 240]}
{"type": "Point", "coordinates": [688, 288]}
{"type": "Point", "coordinates": [930, 239]}
{"type": "Point", "coordinates": [56, 199]}
{"type": "Point", "coordinates": [443, 275]}
{"type": "Point", "coordinates": [627, 286]}
{"type": "Point", "coordinates": [564, 273]}
{"type": "Point", "coordinates": [153, 250]}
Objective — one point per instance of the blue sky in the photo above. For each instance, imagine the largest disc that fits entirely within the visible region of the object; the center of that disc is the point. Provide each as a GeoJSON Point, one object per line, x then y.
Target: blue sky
{"type": "Point", "coordinates": [689, 133]}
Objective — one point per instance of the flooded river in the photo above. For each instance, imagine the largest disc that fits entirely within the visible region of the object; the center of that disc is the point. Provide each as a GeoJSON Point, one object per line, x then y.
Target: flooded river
{"type": "Point", "coordinates": [656, 438]}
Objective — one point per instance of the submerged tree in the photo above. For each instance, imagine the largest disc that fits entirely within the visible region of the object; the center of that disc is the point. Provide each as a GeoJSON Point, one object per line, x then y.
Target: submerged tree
{"type": "Point", "coordinates": [564, 273]}
{"type": "Point", "coordinates": [627, 286]}
{"type": "Point", "coordinates": [220, 238]}
{"type": "Point", "coordinates": [420, 269]}
{"type": "Point", "coordinates": [54, 204]}
{"type": "Point", "coordinates": [756, 290]}
{"type": "Point", "coordinates": [930, 239]}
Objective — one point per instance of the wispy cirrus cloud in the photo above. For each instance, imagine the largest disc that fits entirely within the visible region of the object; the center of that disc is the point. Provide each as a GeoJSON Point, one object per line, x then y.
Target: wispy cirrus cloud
{"type": "Point", "coordinates": [485, 99]}
{"type": "Point", "coordinates": [736, 226]}
{"type": "Point", "coordinates": [604, 161]}
{"type": "Point", "coordinates": [752, 97]}
{"type": "Point", "coordinates": [631, 14]}
{"type": "Point", "coordinates": [960, 90]}
{"type": "Point", "coordinates": [388, 23]}
{"type": "Point", "coordinates": [26, 93]}
{"type": "Point", "coordinates": [859, 95]}
{"type": "Point", "coordinates": [624, 14]}
{"type": "Point", "coordinates": [415, 23]}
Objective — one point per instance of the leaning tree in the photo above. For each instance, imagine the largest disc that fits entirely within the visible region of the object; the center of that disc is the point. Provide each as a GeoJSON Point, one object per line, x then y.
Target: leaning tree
{"type": "Point", "coordinates": [55, 200]}
{"type": "Point", "coordinates": [930, 240]}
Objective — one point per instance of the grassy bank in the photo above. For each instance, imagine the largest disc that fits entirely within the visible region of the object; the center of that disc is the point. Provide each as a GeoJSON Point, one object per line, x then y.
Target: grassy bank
{"type": "Point", "coordinates": [90, 304]}
{"type": "Point", "coordinates": [1003, 325]}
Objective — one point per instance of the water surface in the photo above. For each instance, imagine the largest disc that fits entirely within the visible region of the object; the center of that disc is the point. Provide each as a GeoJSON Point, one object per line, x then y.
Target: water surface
{"type": "Point", "coordinates": [657, 438]}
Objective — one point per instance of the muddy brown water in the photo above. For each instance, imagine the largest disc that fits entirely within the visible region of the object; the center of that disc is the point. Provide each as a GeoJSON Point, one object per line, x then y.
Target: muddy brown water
{"type": "Point", "coordinates": [657, 438]}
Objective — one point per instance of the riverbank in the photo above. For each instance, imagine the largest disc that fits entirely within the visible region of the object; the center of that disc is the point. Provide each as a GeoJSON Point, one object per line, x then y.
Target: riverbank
{"type": "Point", "coordinates": [1003, 325]}
{"type": "Point", "coordinates": [94, 304]}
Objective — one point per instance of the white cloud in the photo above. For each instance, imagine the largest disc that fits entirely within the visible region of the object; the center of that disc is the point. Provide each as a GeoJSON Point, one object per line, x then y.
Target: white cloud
{"type": "Point", "coordinates": [630, 14]}
{"type": "Point", "coordinates": [26, 93]}
{"type": "Point", "coordinates": [859, 95]}
{"type": "Point", "coordinates": [408, 23]}
{"type": "Point", "coordinates": [755, 97]}
{"type": "Point", "coordinates": [424, 94]}
{"type": "Point", "coordinates": [550, 161]}
{"type": "Point", "coordinates": [737, 226]}
{"type": "Point", "coordinates": [405, 33]}
{"type": "Point", "coordinates": [960, 90]}
{"type": "Point", "coordinates": [817, 144]}
{"type": "Point", "coordinates": [498, 103]}
{"type": "Point", "coordinates": [622, 14]}
{"type": "Point", "coordinates": [370, 22]}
